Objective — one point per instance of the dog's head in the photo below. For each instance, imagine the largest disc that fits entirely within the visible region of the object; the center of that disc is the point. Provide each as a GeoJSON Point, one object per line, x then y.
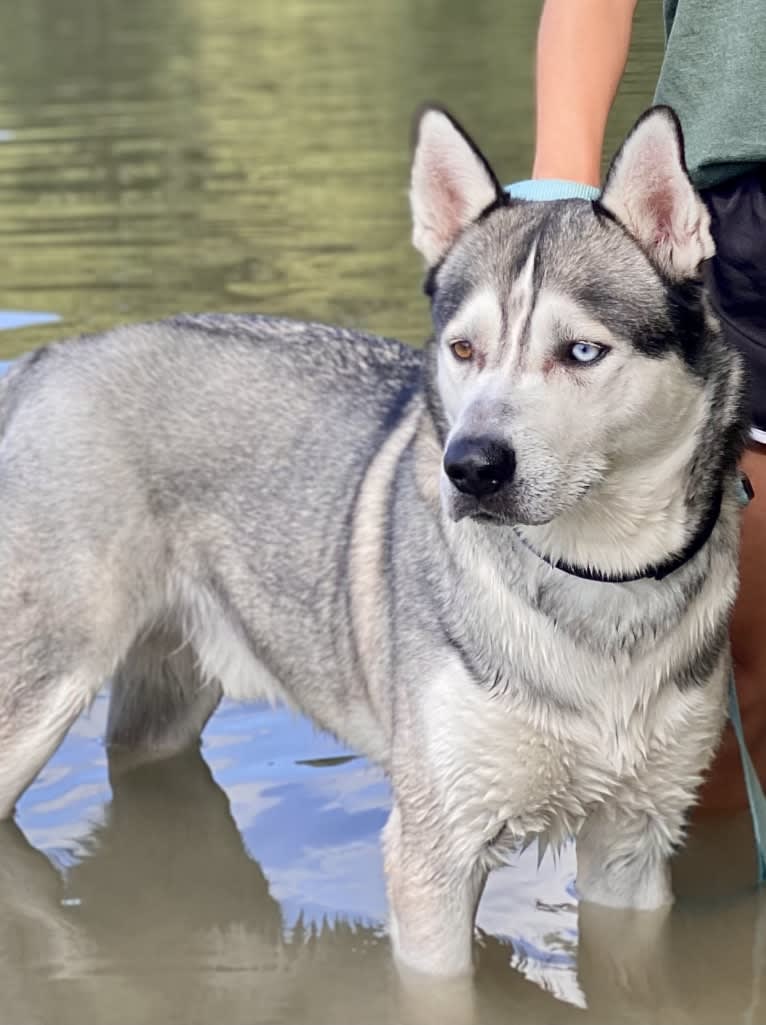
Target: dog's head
{"type": "Point", "coordinates": [571, 338]}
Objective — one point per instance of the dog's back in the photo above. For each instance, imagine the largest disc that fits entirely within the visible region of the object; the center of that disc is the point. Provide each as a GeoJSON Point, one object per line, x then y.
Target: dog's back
{"type": "Point", "coordinates": [152, 474]}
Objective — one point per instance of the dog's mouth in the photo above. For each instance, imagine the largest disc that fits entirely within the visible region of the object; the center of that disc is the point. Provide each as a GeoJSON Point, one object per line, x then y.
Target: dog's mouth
{"type": "Point", "coordinates": [484, 516]}
{"type": "Point", "coordinates": [464, 508]}
{"type": "Point", "coordinates": [496, 511]}
{"type": "Point", "coordinates": [511, 506]}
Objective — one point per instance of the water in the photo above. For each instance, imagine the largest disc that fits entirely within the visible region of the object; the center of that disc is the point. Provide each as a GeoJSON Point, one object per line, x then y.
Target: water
{"type": "Point", "coordinates": [220, 155]}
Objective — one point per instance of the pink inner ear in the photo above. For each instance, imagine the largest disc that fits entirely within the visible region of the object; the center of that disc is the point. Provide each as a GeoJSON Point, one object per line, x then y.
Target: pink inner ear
{"type": "Point", "coordinates": [649, 191]}
{"type": "Point", "coordinates": [453, 202]}
{"type": "Point", "coordinates": [660, 211]}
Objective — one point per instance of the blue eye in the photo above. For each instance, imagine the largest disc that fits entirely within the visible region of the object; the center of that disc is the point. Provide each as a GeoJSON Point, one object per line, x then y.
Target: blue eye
{"type": "Point", "coordinates": [586, 352]}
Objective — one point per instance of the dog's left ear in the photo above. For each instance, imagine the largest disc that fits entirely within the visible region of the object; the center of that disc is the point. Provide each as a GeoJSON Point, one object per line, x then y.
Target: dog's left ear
{"type": "Point", "coordinates": [451, 185]}
{"type": "Point", "coordinates": [649, 191]}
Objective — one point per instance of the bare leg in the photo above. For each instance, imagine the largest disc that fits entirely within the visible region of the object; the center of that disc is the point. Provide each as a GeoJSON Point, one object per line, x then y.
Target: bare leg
{"type": "Point", "coordinates": [724, 788]}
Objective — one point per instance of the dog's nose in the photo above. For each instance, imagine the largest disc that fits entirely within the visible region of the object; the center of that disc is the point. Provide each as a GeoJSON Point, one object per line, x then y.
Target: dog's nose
{"type": "Point", "coordinates": [479, 466]}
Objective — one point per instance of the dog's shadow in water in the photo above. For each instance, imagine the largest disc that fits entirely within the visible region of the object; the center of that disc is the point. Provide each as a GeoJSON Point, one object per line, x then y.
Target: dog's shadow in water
{"type": "Point", "coordinates": [167, 917]}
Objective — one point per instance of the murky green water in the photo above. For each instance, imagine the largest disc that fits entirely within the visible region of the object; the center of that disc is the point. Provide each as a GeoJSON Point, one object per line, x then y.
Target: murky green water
{"type": "Point", "coordinates": [232, 155]}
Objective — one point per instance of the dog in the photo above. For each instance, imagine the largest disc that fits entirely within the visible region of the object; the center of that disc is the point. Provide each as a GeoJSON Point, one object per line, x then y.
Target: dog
{"type": "Point", "coordinates": [502, 566]}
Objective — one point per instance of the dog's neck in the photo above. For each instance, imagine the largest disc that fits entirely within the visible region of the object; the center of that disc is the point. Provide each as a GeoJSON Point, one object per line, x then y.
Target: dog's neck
{"type": "Point", "coordinates": [640, 517]}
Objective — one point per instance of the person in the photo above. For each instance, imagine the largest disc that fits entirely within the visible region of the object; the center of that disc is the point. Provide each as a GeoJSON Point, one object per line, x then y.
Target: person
{"type": "Point", "coordinates": [712, 75]}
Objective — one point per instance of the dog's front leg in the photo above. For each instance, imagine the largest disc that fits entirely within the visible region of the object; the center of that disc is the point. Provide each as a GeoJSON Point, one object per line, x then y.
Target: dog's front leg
{"type": "Point", "coordinates": [433, 891]}
{"type": "Point", "coordinates": [623, 857]}
{"type": "Point", "coordinates": [625, 845]}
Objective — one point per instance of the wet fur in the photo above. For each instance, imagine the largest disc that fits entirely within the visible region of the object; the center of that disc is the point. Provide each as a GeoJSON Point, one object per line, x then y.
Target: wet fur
{"type": "Point", "coordinates": [254, 507]}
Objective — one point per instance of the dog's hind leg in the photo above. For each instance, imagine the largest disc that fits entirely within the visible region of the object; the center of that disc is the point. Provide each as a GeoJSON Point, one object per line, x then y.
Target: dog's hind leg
{"type": "Point", "coordinates": [33, 722]}
{"type": "Point", "coordinates": [52, 663]}
{"type": "Point", "coordinates": [160, 702]}
{"type": "Point", "coordinates": [70, 608]}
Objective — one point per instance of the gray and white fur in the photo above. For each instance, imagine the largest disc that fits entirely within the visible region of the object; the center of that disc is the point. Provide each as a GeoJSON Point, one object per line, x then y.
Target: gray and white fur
{"type": "Point", "coordinates": [251, 507]}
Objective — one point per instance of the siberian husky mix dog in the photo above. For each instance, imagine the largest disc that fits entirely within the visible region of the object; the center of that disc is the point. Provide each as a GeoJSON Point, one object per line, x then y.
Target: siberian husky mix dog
{"type": "Point", "coordinates": [502, 567]}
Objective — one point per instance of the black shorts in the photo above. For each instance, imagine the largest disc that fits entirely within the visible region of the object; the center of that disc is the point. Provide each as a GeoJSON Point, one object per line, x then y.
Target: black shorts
{"type": "Point", "coordinates": [736, 277]}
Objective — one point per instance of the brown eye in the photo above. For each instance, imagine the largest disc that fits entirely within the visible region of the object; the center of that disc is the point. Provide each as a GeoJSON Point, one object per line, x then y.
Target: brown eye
{"type": "Point", "coordinates": [462, 349]}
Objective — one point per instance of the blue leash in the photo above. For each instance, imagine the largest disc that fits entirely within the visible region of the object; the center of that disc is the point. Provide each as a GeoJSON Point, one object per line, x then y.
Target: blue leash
{"type": "Point", "coordinates": [755, 795]}
{"type": "Point", "coordinates": [546, 189]}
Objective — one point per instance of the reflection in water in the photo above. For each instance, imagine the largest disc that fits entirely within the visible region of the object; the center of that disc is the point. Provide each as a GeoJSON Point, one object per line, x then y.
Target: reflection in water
{"type": "Point", "coordinates": [167, 904]}
{"type": "Point", "coordinates": [10, 319]}
{"type": "Point", "coordinates": [252, 892]}
{"type": "Point", "coordinates": [220, 155]}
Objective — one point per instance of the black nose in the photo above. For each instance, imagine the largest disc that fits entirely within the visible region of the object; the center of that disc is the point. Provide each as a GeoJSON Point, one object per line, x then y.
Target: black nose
{"type": "Point", "coordinates": [479, 466]}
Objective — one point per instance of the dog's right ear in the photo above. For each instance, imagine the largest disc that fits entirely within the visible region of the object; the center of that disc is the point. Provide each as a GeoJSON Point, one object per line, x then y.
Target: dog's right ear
{"type": "Point", "coordinates": [451, 184]}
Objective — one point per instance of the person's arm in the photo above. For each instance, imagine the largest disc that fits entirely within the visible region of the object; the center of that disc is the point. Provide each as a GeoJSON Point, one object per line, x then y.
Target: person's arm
{"type": "Point", "coordinates": [582, 50]}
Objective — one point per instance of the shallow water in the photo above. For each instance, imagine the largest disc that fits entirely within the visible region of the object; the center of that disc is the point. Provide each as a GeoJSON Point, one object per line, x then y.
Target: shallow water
{"type": "Point", "coordinates": [218, 155]}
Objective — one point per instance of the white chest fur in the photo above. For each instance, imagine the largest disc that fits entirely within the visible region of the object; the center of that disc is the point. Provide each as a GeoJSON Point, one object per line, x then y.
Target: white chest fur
{"type": "Point", "coordinates": [509, 765]}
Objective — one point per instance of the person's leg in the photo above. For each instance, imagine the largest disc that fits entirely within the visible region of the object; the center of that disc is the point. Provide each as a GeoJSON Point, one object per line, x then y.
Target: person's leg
{"type": "Point", "coordinates": [724, 788]}
{"type": "Point", "coordinates": [736, 280]}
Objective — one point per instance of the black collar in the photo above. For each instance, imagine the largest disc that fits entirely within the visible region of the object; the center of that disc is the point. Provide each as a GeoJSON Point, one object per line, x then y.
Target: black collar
{"type": "Point", "coordinates": [659, 570]}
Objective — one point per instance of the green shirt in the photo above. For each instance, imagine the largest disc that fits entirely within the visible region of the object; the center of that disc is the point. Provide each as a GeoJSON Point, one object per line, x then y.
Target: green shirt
{"type": "Point", "coordinates": [714, 77]}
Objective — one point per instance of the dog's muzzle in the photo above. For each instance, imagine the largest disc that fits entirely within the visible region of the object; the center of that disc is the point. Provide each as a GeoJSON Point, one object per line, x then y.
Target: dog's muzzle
{"type": "Point", "coordinates": [479, 466]}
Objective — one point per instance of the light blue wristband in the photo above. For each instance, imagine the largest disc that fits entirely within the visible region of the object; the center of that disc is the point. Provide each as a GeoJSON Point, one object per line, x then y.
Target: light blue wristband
{"type": "Point", "coordinates": [541, 189]}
